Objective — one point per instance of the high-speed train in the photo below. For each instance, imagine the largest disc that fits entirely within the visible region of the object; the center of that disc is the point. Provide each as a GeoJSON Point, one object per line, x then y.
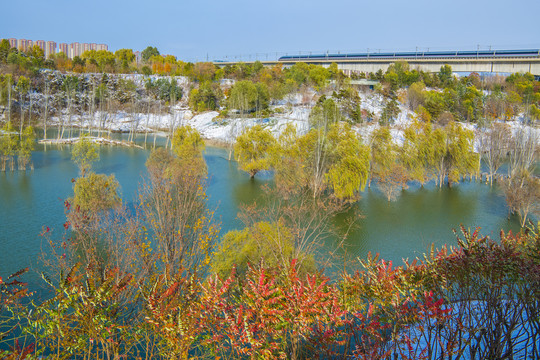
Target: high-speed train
{"type": "Point", "coordinates": [417, 55]}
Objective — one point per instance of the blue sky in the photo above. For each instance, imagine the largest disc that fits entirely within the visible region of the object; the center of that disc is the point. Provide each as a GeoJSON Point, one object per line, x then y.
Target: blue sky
{"type": "Point", "coordinates": [193, 30]}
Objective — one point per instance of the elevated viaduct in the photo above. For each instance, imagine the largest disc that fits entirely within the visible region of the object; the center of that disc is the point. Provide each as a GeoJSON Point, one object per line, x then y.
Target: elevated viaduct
{"type": "Point", "coordinates": [500, 61]}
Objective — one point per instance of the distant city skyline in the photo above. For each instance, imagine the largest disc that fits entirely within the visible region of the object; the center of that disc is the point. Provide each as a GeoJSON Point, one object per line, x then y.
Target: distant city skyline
{"type": "Point", "coordinates": [219, 30]}
{"type": "Point", "coordinates": [50, 47]}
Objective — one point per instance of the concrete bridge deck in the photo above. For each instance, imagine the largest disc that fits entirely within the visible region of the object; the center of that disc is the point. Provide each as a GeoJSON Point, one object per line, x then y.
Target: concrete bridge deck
{"type": "Point", "coordinates": [458, 64]}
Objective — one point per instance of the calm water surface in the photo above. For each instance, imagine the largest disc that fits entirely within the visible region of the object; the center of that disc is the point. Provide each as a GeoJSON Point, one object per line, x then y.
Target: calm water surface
{"type": "Point", "coordinates": [402, 229]}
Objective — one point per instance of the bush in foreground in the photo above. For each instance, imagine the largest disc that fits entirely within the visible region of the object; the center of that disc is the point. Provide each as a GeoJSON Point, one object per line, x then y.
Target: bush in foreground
{"type": "Point", "coordinates": [478, 300]}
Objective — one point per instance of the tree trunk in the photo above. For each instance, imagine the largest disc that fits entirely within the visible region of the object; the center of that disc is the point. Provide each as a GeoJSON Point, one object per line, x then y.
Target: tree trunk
{"type": "Point", "coordinates": [93, 104]}
{"type": "Point", "coordinates": [9, 99]}
{"type": "Point", "coordinates": [523, 219]}
{"type": "Point", "coordinates": [70, 119]}
{"type": "Point", "coordinates": [46, 110]}
{"type": "Point", "coordinates": [21, 120]}
{"type": "Point", "coordinates": [147, 121]}
{"type": "Point", "coordinates": [30, 111]}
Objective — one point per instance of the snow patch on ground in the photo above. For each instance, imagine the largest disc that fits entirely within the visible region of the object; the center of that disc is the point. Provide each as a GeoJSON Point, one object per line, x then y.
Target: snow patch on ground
{"type": "Point", "coordinates": [295, 110]}
{"type": "Point", "coordinates": [207, 123]}
{"type": "Point", "coordinates": [373, 103]}
{"type": "Point", "coordinates": [212, 127]}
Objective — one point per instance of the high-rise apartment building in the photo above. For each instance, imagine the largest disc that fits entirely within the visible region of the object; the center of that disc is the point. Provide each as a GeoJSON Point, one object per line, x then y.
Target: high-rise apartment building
{"type": "Point", "coordinates": [50, 49]}
{"type": "Point", "coordinates": [41, 44]}
{"type": "Point", "coordinates": [22, 44]}
{"type": "Point", "coordinates": [74, 50]}
{"type": "Point", "coordinates": [63, 47]}
{"type": "Point", "coordinates": [13, 42]}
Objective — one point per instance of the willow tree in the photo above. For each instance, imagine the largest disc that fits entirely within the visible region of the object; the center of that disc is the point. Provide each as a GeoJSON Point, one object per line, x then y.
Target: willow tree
{"type": "Point", "coordinates": [349, 169]}
{"type": "Point", "coordinates": [8, 145]}
{"type": "Point", "coordinates": [463, 160]}
{"type": "Point", "coordinates": [22, 88]}
{"type": "Point", "coordinates": [421, 149]}
{"type": "Point", "coordinates": [288, 162]}
{"type": "Point", "coordinates": [254, 149]}
{"type": "Point", "coordinates": [412, 153]}
{"type": "Point", "coordinates": [188, 145]}
{"type": "Point", "coordinates": [383, 152]}
{"type": "Point", "coordinates": [333, 162]}
{"type": "Point", "coordinates": [25, 147]}
{"type": "Point", "coordinates": [314, 157]}
{"type": "Point", "coordinates": [437, 149]}
{"type": "Point", "coordinates": [453, 153]}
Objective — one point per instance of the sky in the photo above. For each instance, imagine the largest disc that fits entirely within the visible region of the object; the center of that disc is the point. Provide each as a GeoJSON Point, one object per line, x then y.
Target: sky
{"type": "Point", "coordinates": [197, 30]}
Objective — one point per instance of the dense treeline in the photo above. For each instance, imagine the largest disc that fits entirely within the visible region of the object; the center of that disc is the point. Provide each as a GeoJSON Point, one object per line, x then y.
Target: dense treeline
{"type": "Point", "coordinates": [141, 282]}
{"type": "Point", "coordinates": [438, 97]}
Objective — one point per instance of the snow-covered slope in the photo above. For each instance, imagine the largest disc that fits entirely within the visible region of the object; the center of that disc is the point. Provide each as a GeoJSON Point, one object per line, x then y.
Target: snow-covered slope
{"type": "Point", "coordinates": [295, 110]}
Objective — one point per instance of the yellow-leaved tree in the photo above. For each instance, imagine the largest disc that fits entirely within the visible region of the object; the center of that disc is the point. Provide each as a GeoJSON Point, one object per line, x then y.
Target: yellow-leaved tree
{"type": "Point", "coordinates": [254, 149]}
{"type": "Point", "coordinates": [174, 206]}
{"type": "Point", "coordinates": [349, 169]}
